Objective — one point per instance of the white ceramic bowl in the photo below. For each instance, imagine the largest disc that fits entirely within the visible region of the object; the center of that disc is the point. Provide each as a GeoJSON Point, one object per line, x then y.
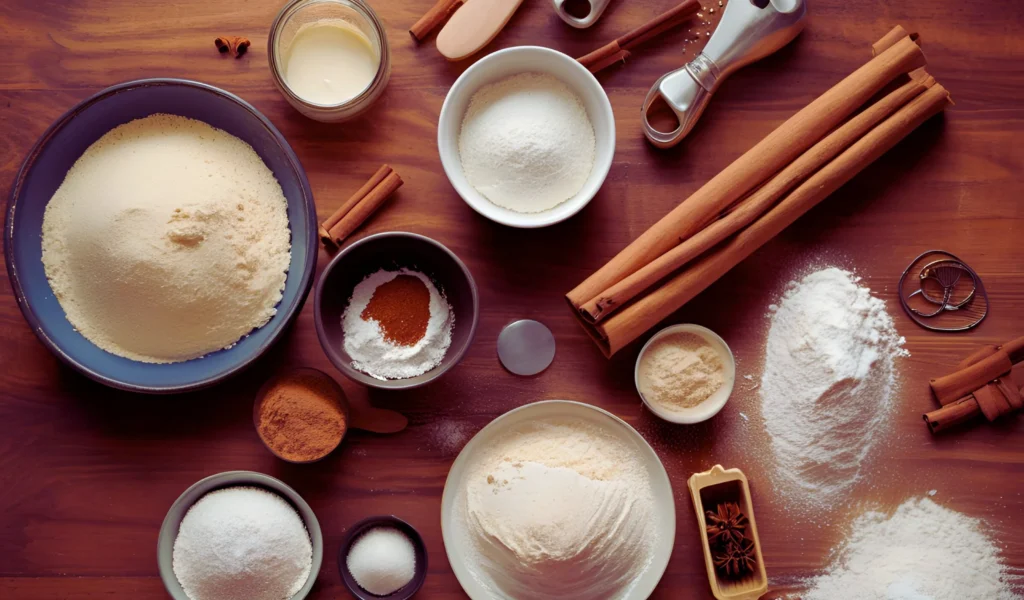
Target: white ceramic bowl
{"type": "Point", "coordinates": [710, 407]}
{"type": "Point", "coordinates": [464, 559]}
{"type": "Point", "coordinates": [504, 63]}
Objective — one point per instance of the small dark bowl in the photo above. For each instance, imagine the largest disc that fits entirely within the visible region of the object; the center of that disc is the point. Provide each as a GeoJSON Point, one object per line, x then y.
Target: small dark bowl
{"type": "Point", "coordinates": [394, 250]}
{"type": "Point", "coordinates": [44, 170]}
{"type": "Point", "coordinates": [403, 593]}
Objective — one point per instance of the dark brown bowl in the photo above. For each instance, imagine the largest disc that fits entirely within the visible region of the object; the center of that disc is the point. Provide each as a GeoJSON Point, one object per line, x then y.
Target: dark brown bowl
{"type": "Point", "coordinates": [394, 250]}
{"type": "Point", "coordinates": [403, 593]}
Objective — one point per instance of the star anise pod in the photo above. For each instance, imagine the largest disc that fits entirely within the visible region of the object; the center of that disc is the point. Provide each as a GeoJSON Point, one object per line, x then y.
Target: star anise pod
{"type": "Point", "coordinates": [735, 558]}
{"type": "Point", "coordinates": [726, 524]}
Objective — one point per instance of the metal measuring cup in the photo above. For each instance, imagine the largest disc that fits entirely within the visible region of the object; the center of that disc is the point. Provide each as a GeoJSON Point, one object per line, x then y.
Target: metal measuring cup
{"type": "Point", "coordinates": [749, 31]}
{"type": "Point", "coordinates": [595, 8]}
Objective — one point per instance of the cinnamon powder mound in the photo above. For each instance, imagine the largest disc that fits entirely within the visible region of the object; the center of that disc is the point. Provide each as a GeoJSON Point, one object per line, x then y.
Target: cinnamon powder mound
{"type": "Point", "coordinates": [300, 419]}
{"type": "Point", "coordinates": [402, 308]}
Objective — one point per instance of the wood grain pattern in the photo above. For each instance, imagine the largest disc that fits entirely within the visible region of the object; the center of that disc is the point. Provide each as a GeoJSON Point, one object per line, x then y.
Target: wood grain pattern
{"type": "Point", "coordinates": [87, 473]}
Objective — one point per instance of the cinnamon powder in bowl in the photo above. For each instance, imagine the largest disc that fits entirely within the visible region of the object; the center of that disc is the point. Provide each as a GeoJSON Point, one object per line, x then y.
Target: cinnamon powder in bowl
{"type": "Point", "coordinates": [347, 338]}
{"type": "Point", "coordinates": [685, 374]}
{"type": "Point", "coordinates": [299, 415]}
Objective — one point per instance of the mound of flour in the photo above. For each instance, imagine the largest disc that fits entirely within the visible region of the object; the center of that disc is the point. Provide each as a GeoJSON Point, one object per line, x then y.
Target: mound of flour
{"type": "Point", "coordinates": [560, 509]}
{"type": "Point", "coordinates": [167, 240]}
{"type": "Point", "coordinates": [526, 142]}
{"type": "Point", "coordinates": [828, 382]}
{"type": "Point", "coordinates": [921, 552]}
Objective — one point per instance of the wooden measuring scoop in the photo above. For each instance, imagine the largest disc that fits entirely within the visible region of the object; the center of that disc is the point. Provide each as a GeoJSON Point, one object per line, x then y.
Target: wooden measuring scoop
{"type": "Point", "coordinates": [473, 26]}
{"type": "Point", "coordinates": [359, 414]}
{"type": "Point", "coordinates": [713, 488]}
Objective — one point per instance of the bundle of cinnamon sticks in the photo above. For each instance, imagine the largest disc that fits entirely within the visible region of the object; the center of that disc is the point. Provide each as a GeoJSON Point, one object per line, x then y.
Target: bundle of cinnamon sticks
{"type": "Point", "coordinates": [752, 200]}
{"type": "Point", "coordinates": [989, 382]}
{"type": "Point", "coordinates": [358, 208]}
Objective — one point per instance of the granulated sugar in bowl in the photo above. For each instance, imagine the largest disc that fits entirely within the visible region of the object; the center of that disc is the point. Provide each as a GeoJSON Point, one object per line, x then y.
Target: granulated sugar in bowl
{"type": "Point", "coordinates": [526, 142]}
{"type": "Point", "coordinates": [242, 543]}
{"type": "Point", "coordinates": [526, 136]}
{"type": "Point", "coordinates": [382, 560]}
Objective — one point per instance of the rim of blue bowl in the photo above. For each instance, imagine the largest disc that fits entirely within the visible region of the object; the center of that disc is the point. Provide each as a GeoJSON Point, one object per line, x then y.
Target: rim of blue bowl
{"type": "Point", "coordinates": [306, 281]}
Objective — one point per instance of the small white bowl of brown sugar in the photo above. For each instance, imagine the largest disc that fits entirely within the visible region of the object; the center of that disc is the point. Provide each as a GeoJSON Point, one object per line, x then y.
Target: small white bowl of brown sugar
{"type": "Point", "coordinates": [685, 374]}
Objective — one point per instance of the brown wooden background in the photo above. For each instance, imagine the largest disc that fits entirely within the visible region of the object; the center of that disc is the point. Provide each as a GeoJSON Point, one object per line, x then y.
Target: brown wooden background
{"type": "Point", "coordinates": [87, 473]}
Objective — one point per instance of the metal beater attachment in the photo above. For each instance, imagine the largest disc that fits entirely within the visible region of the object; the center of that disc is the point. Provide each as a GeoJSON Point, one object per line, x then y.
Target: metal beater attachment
{"type": "Point", "coordinates": [941, 293]}
{"type": "Point", "coordinates": [749, 31]}
{"type": "Point", "coordinates": [580, 13]}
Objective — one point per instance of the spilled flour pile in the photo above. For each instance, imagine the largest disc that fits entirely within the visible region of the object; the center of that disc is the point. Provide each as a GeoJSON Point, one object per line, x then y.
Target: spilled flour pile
{"type": "Point", "coordinates": [167, 240]}
{"type": "Point", "coordinates": [922, 552]}
{"type": "Point", "coordinates": [828, 382]}
{"type": "Point", "coordinates": [560, 509]}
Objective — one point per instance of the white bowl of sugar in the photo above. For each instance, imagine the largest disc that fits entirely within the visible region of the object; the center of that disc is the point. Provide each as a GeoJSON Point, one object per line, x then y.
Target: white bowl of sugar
{"type": "Point", "coordinates": [554, 169]}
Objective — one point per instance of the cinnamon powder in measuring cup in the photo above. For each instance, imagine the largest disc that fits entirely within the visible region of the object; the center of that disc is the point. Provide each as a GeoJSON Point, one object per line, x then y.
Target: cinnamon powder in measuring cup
{"type": "Point", "coordinates": [300, 418]}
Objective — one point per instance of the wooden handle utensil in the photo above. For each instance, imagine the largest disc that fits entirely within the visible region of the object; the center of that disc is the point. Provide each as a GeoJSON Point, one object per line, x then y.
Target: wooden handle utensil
{"type": "Point", "coordinates": [433, 19]}
{"type": "Point", "coordinates": [473, 26]}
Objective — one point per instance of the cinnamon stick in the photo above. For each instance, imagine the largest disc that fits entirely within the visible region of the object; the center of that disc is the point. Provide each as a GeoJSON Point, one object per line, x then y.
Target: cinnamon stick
{"type": "Point", "coordinates": [954, 386]}
{"type": "Point", "coordinates": [977, 355]}
{"type": "Point", "coordinates": [1011, 392]}
{"type": "Point", "coordinates": [888, 40]}
{"type": "Point", "coordinates": [968, 408]}
{"type": "Point", "coordinates": [608, 61]}
{"type": "Point", "coordinates": [434, 17]}
{"type": "Point", "coordinates": [354, 199]}
{"type": "Point", "coordinates": [991, 401]}
{"type": "Point", "coordinates": [601, 58]}
{"type": "Point", "coordinates": [632, 321]}
{"type": "Point", "coordinates": [962, 411]}
{"type": "Point", "coordinates": [771, 154]}
{"type": "Point", "coordinates": [365, 207]}
{"type": "Point", "coordinates": [753, 206]}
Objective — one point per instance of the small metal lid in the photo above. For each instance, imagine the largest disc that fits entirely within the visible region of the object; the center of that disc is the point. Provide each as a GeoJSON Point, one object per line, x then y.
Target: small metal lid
{"type": "Point", "coordinates": [526, 347]}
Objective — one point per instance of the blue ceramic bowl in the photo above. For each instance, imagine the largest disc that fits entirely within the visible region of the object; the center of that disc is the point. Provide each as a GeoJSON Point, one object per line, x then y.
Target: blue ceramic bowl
{"type": "Point", "coordinates": [44, 171]}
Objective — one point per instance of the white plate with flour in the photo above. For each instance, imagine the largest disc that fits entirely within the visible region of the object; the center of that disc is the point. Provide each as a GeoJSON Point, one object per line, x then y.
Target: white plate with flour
{"type": "Point", "coordinates": [624, 477]}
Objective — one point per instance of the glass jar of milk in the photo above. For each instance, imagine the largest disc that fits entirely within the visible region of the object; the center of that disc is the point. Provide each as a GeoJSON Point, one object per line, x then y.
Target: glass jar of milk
{"type": "Point", "coordinates": [329, 58]}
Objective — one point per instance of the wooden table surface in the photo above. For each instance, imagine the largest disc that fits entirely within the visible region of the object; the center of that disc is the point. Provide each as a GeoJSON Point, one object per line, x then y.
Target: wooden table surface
{"type": "Point", "coordinates": [87, 473]}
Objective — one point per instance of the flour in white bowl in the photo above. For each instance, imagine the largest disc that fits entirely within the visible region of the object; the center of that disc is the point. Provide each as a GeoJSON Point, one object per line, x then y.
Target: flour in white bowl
{"type": "Point", "coordinates": [242, 543]}
{"type": "Point", "coordinates": [167, 240]}
{"type": "Point", "coordinates": [526, 142]}
{"type": "Point", "coordinates": [559, 509]}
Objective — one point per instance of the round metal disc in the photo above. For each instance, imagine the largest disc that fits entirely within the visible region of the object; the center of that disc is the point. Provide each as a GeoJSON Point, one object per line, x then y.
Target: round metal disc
{"type": "Point", "coordinates": [526, 347]}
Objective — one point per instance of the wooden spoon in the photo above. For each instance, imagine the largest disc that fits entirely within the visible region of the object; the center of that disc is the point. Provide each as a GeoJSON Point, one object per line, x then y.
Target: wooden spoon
{"type": "Point", "coordinates": [473, 26]}
{"type": "Point", "coordinates": [370, 418]}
